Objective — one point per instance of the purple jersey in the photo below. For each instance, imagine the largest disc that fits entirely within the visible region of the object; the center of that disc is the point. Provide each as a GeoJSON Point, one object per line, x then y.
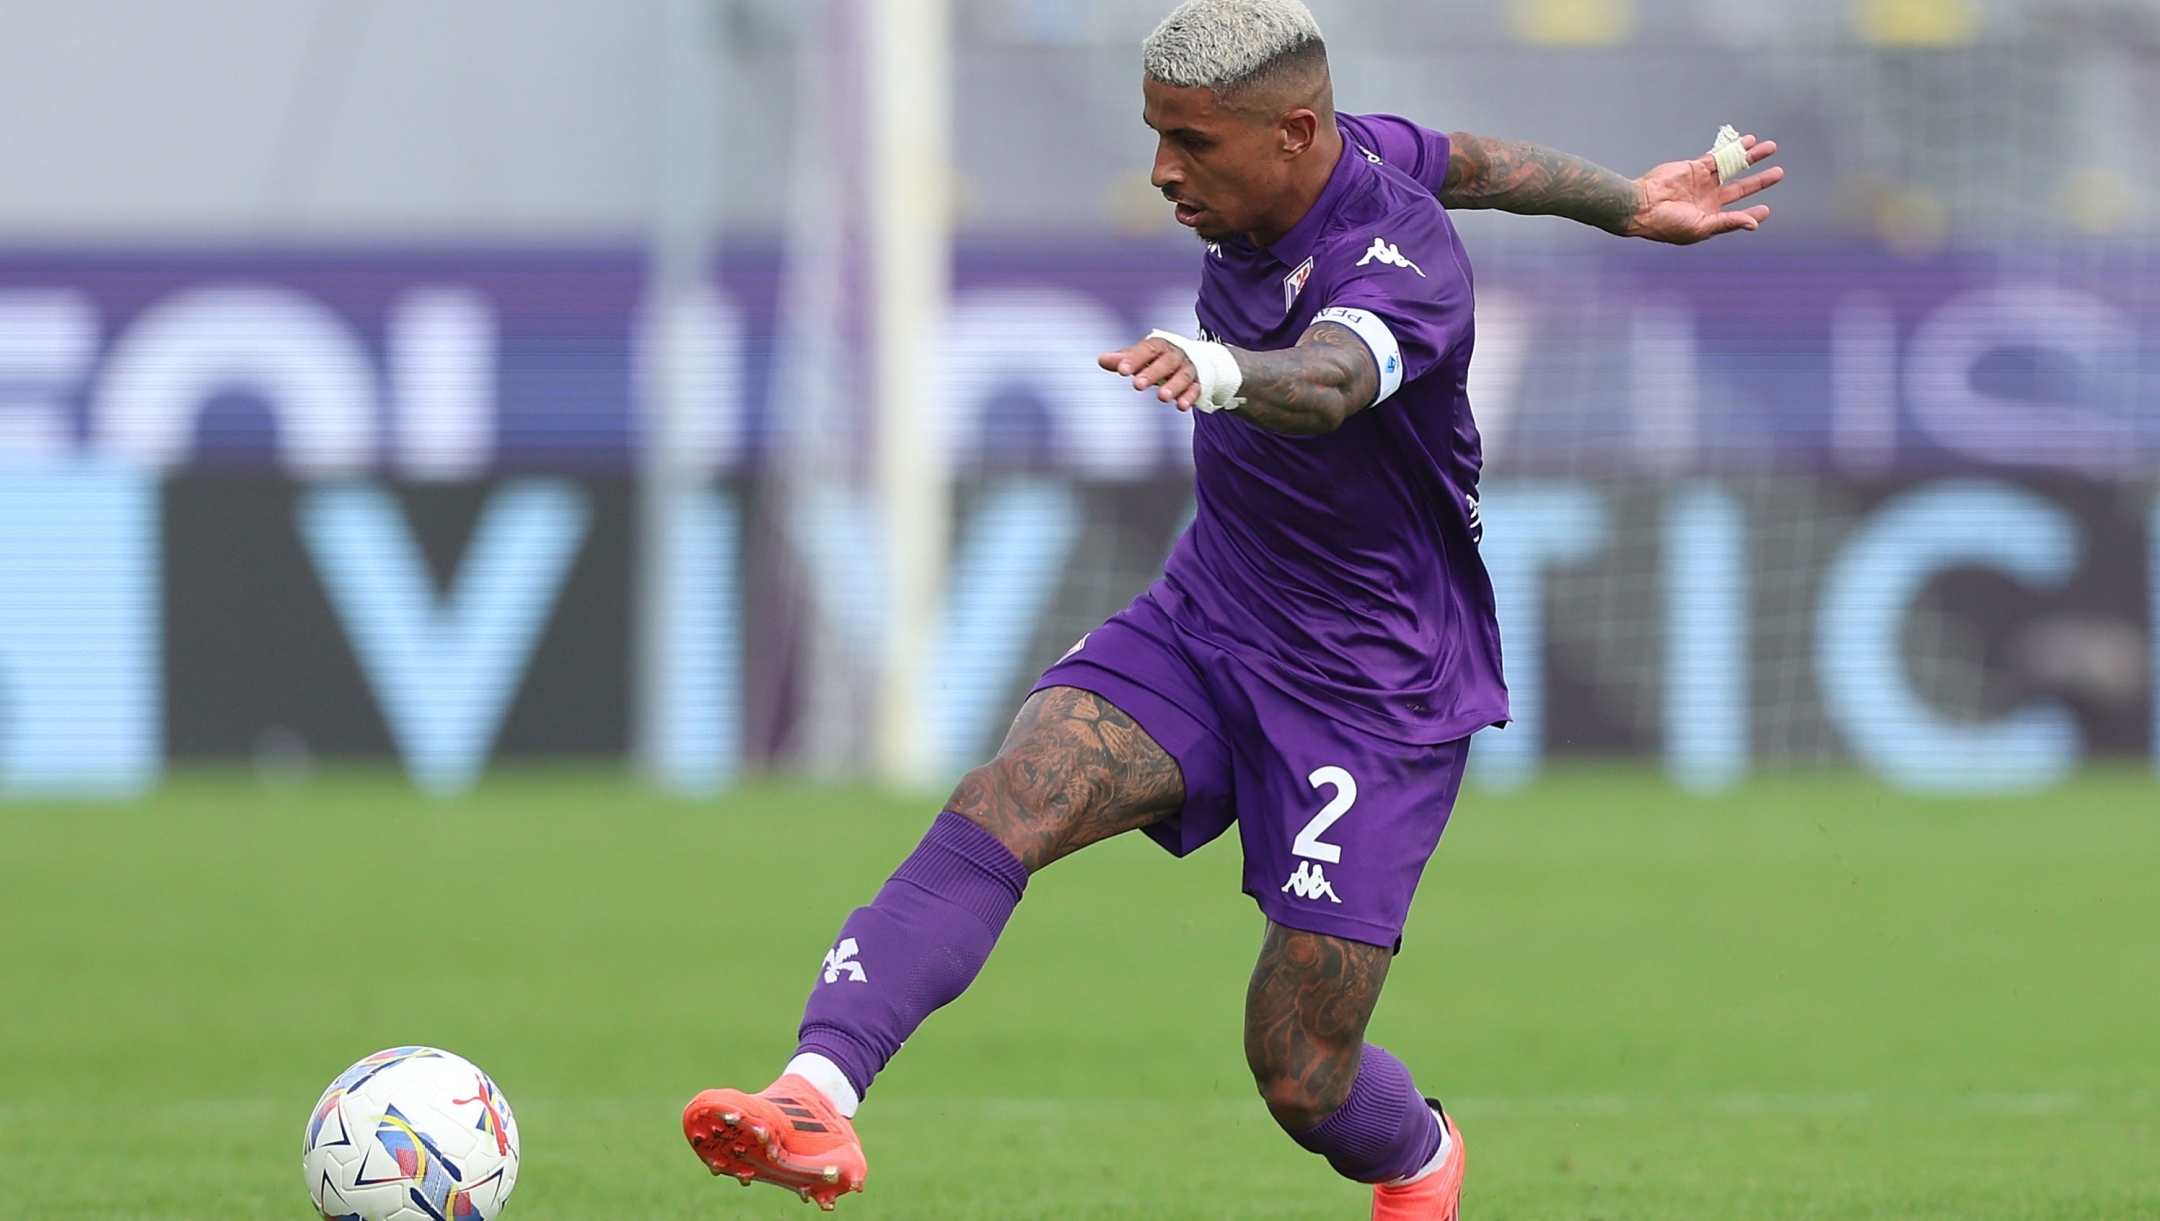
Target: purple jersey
{"type": "Point", "coordinates": [1400, 144]}
{"type": "Point", "coordinates": [1344, 569]}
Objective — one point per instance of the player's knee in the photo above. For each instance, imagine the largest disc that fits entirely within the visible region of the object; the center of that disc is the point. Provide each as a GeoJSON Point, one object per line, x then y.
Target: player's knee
{"type": "Point", "coordinates": [1300, 1090]}
{"type": "Point", "coordinates": [993, 798]}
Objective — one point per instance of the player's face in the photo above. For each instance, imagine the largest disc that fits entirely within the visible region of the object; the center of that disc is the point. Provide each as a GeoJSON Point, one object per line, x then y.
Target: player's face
{"type": "Point", "coordinates": [1224, 169]}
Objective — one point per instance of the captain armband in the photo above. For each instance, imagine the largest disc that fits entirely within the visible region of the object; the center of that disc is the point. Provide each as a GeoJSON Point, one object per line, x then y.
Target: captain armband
{"type": "Point", "coordinates": [1386, 352]}
{"type": "Point", "coordinates": [1215, 367]}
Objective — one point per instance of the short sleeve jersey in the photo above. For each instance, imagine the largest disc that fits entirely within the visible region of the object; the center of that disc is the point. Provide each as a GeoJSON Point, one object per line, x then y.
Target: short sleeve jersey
{"type": "Point", "coordinates": [1344, 568]}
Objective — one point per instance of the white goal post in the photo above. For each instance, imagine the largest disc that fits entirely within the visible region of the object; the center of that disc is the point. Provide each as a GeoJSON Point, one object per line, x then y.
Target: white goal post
{"type": "Point", "coordinates": [910, 226]}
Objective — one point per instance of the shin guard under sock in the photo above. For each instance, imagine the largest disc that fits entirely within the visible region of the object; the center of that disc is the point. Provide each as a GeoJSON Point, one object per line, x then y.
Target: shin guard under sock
{"type": "Point", "coordinates": [1384, 1131]}
{"type": "Point", "coordinates": [916, 948]}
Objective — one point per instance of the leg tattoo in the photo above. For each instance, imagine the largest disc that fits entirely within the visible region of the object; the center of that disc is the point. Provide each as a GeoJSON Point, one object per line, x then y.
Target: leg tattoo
{"type": "Point", "coordinates": [1074, 771]}
{"type": "Point", "coordinates": [1335, 1094]}
{"type": "Point", "coordinates": [1305, 1016]}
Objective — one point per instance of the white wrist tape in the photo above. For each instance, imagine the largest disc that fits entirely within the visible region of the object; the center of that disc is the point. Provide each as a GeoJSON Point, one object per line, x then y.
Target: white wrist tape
{"type": "Point", "coordinates": [1217, 369]}
{"type": "Point", "coordinates": [1732, 159]}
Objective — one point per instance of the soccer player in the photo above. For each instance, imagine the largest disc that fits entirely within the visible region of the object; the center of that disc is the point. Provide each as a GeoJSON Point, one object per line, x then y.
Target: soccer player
{"type": "Point", "coordinates": [1312, 664]}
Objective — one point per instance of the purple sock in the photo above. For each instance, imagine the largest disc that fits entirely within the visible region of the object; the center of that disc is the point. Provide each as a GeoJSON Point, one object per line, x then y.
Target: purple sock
{"type": "Point", "coordinates": [915, 949]}
{"type": "Point", "coordinates": [1384, 1131]}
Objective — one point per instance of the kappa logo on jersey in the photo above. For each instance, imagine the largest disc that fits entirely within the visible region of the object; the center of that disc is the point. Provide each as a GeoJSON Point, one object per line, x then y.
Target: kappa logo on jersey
{"type": "Point", "coordinates": [1371, 156]}
{"type": "Point", "coordinates": [1215, 248]}
{"type": "Point", "coordinates": [1293, 285]}
{"type": "Point", "coordinates": [1077, 647]}
{"type": "Point", "coordinates": [840, 960]}
{"type": "Point", "coordinates": [1310, 882]}
{"type": "Point", "coordinates": [1384, 252]}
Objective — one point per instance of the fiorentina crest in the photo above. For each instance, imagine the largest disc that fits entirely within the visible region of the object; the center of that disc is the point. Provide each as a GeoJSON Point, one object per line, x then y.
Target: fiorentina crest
{"type": "Point", "coordinates": [1293, 285]}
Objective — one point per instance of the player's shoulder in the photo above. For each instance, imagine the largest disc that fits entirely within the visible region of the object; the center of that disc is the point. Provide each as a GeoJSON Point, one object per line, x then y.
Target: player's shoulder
{"type": "Point", "coordinates": [1391, 222]}
{"type": "Point", "coordinates": [1398, 143]}
{"type": "Point", "coordinates": [1382, 195]}
{"type": "Point", "coordinates": [1366, 135]}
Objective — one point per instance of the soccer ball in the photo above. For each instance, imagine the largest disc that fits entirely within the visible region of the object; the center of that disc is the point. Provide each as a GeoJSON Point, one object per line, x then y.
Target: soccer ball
{"type": "Point", "coordinates": [411, 1134]}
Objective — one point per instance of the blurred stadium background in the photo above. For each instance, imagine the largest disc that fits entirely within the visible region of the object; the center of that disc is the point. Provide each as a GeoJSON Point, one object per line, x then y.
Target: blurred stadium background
{"type": "Point", "coordinates": [470, 382]}
{"type": "Point", "coordinates": [694, 399]}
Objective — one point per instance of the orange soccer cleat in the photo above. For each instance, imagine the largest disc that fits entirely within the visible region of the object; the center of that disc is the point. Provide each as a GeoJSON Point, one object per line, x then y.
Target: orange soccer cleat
{"type": "Point", "coordinates": [789, 1135]}
{"type": "Point", "coordinates": [1436, 1197]}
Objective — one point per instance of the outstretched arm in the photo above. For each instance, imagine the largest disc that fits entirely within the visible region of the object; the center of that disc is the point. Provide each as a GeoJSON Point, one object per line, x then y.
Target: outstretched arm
{"type": "Point", "coordinates": [1312, 388]}
{"type": "Point", "coordinates": [1680, 202]}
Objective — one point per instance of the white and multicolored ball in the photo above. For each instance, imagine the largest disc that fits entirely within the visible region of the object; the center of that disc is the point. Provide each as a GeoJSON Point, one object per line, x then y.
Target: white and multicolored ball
{"type": "Point", "coordinates": [411, 1134]}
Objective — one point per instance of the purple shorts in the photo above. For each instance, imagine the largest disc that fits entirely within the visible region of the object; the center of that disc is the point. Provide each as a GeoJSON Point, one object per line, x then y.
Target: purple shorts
{"type": "Point", "coordinates": [1337, 824]}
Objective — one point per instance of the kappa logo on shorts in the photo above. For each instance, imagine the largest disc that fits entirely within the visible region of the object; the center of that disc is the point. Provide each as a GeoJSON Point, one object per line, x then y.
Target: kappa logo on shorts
{"type": "Point", "coordinates": [1310, 882]}
{"type": "Point", "coordinates": [840, 960]}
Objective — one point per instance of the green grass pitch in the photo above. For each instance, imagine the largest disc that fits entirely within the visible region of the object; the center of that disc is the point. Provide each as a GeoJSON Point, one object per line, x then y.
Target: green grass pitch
{"type": "Point", "coordinates": [1811, 999]}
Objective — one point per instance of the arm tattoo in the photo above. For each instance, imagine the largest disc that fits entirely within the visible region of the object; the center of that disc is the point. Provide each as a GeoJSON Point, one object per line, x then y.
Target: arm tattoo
{"type": "Point", "coordinates": [1532, 180]}
{"type": "Point", "coordinates": [1305, 1016]}
{"type": "Point", "coordinates": [1312, 388]}
{"type": "Point", "coordinates": [1074, 770]}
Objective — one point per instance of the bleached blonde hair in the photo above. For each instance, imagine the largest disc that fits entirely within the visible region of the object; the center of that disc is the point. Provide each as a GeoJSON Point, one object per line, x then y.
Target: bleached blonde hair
{"type": "Point", "coordinates": [1227, 44]}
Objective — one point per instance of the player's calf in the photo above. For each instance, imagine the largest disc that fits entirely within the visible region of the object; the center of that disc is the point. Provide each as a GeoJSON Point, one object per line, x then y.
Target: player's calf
{"type": "Point", "coordinates": [1335, 1094]}
{"type": "Point", "coordinates": [1384, 1131]}
{"type": "Point", "coordinates": [1305, 1014]}
{"type": "Point", "coordinates": [1386, 1135]}
{"type": "Point", "coordinates": [914, 949]}
{"type": "Point", "coordinates": [1074, 770]}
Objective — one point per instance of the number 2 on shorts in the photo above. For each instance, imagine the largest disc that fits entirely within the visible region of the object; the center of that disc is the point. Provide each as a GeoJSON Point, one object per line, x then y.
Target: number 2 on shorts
{"type": "Point", "coordinates": [1308, 843]}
